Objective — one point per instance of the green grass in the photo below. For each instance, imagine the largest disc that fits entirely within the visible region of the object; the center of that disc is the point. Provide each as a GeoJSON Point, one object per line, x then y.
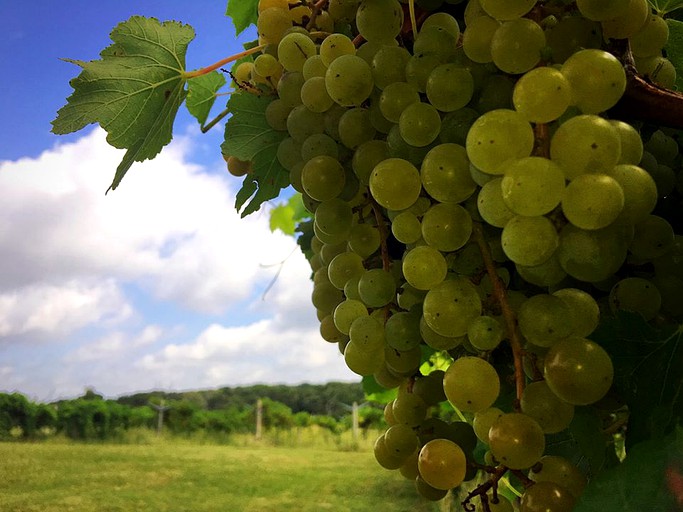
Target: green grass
{"type": "Point", "coordinates": [176, 477]}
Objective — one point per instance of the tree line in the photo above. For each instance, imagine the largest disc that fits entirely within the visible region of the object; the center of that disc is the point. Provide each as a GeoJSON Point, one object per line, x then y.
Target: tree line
{"type": "Point", "coordinates": [223, 412]}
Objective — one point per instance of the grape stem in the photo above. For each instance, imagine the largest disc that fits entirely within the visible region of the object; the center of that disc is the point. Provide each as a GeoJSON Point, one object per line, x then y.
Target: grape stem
{"type": "Point", "coordinates": [500, 294]}
{"type": "Point", "coordinates": [482, 489]}
{"type": "Point", "coordinates": [542, 140]}
{"type": "Point", "coordinates": [216, 65]}
{"type": "Point", "coordinates": [315, 10]}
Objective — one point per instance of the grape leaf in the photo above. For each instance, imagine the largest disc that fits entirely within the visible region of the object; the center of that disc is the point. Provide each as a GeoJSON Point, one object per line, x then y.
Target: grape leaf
{"type": "Point", "coordinates": [243, 13]}
{"type": "Point", "coordinates": [201, 94]}
{"type": "Point", "coordinates": [674, 49]}
{"type": "Point", "coordinates": [376, 393]}
{"type": "Point", "coordinates": [305, 230]}
{"type": "Point", "coordinates": [665, 6]}
{"type": "Point", "coordinates": [639, 483]}
{"type": "Point", "coordinates": [286, 216]}
{"type": "Point", "coordinates": [583, 443]}
{"type": "Point", "coordinates": [249, 137]}
{"type": "Point", "coordinates": [134, 90]}
{"type": "Point", "coordinates": [648, 373]}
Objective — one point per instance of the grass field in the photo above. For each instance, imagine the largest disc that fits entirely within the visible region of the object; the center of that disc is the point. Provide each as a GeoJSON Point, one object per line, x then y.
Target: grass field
{"type": "Point", "coordinates": [177, 477]}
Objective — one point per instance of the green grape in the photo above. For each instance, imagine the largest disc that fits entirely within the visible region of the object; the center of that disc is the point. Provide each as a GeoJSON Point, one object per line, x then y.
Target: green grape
{"type": "Point", "coordinates": [592, 256]}
{"type": "Point", "coordinates": [289, 153]}
{"type": "Point", "coordinates": [387, 379]}
{"type": "Point", "coordinates": [449, 87]}
{"type": "Point", "coordinates": [364, 240]}
{"type": "Point", "coordinates": [436, 340]}
{"type": "Point", "coordinates": [593, 201]}
{"type": "Point", "coordinates": [631, 144]}
{"type": "Point", "coordinates": [545, 496]}
{"type": "Point", "coordinates": [409, 296]}
{"type": "Point", "coordinates": [496, 93]}
{"type": "Point", "coordinates": [628, 23]}
{"type": "Point", "coordinates": [314, 67]}
{"type": "Point", "coordinates": [471, 384]}
{"type": "Point", "coordinates": [349, 80]}
{"type": "Point", "coordinates": [272, 23]}
{"type": "Point", "coordinates": [442, 464]}
{"type": "Point", "coordinates": [334, 217]}
{"type": "Point", "coordinates": [343, 267]}
{"type": "Point", "coordinates": [572, 34]}
{"type": "Point", "coordinates": [659, 70]}
{"type": "Point", "coordinates": [450, 306]}
{"type": "Point", "coordinates": [401, 441]}
{"type": "Point", "coordinates": [419, 67]}
{"type": "Point", "coordinates": [498, 137]}
{"type": "Point", "coordinates": [430, 388]}
{"type": "Point", "coordinates": [455, 125]}
{"type": "Point", "coordinates": [639, 189]}
{"type": "Point", "coordinates": [548, 273]}
{"type": "Point", "coordinates": [485, 332]}
{"type": "Point", "coordinates": [302, 123]}
{"type": "Point", "coordinates": [542, 95]}
{"type": "Point", "coordinates": [406, 228]}
{"type": "Point", "coordinates": [529, 240]}
{"type": "Point", "coordinates": [325, 297]}
{"type": "Point", "coordinates": [314, 95]}
{"type": "Point", "coordinates": [332, 116]}
{"type": "Point", "coordinates": [516, 45]}
{"type": "Point", "coordinates": [388, 65]}
{"type": "Point", "coordinates": [544, 319]}
{"type": "Point", "coordinates": [578, 371]}
{"type": "Point", "coordinates": [540, 403]}
{"type": "Point", "coordinates": [383, 455]}
{"type": "Point", "coordinates": [508, 10]}
{"type": "Point", "coordinates": [584, 144]}
{"type": "Point", "coordinates": [329, 332]}
{"type": "Point", "coordinates": [491, 205]}
{"type": "Point", "coordinates": [334, 46]}
{"type": "Point", "coordinates": [446, 226]}
{"type": "Point", "coordinates": [267, 65]}
{"type": "Point", "coordinates": [601, 10]}
{"type": "Point", "coordinates": [293, 50]}
{"type": "Point", "coordinates": [445, 21]}
{"type": "Point", "coordinates": [323, 178]}
{"type": "Point", "coordinates": [419, 124]}
{"type": "Point", "coordinates": [663, 147]}
{"type": "Point", "coordinates": [346, 312]}
{"type": "Point", "coordinates": [597, 80]}
{"type": "Point", "coordinates": [329, 251]}
{"type": "Point", "coordinates": [585, 310]}
{"type": "Point", "coordinates": [355, 128]}
{"type": "Point", "coordinates": [436, 41]}
{"type": "Point", "coordinates": [427, 491]}
{"type": "Point", "coordinates": [637, 295]}
{"type": "Point", "coordinates": [319, 144]}
{"type": "Point", "coordinates": [532, 186]}
{"type": "Point", "coordinates": [379, 20]}
{"type": "Point", "coordinates": [559, 470]}
{"type": "Point", "coordinates": [476, 40]}
{"type": "Point", "coordinates": [483, 420]}
{"type": "Point", "coordinates": [653, 237]}
{"type": "Point", "coordinates": [361, 362]}
{"type": "Point", "coordinates": [409, 409]}
{"type": "Point", "coordinates": [516, 440]}
{"type": "Point", "coordinates": [368, 49]}
{"type": "Point", "coordinates": [343, 10]}
{"type": "Point", "coordinates": [409, 469]}
{"type": "Point", "coordinates": [367, 333]}
{"type": "Point", "coordinates": [403, 363]}
{"type": "Point", "coordinates": [289, 88]}
{"type": "Point", "coordinates": [424, 267]}
{"type": "Point", "coordinates": [445, 174]}
{"type": "Point", "coordinates": [395, 98]}
{"type": "Point", "coordinates": [366, 157]}
{"type": "Point", "coordinates": [377, 288]}
{"type": "Point", "coordinates": [651, 38]}
{"type": "Point", "coordinates": [276, 114]}
{"type": "Point", "coordinates": [402, 330]}
{"type": "Point", "coordinates": [395, 183]}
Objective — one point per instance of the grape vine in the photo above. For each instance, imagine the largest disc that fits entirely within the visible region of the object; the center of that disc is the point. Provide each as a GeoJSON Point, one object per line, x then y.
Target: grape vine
{"type": "Point", "coordinates": [489, 195]}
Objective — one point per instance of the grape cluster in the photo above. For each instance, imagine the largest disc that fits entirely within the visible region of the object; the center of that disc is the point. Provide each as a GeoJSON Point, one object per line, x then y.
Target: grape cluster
{"type": "Point", "coordinates": [469, 187]}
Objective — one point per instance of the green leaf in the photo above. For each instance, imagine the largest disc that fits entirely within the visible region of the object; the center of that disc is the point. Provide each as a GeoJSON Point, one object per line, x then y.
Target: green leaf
{"type": "Point", "coordinates": [648, 373]}
{"type": "Point", "coordinates": [376, 393]}
{"type": "Point", "coordinates": [583, 443]}
{"type": "Point", "coordinates": [243, 13]}
{"type": "Point", "coordinates": [286, 216]}
{"type": "Point", "coordinates": [639, 483]}
{"type": "Point", "coordinates": [249, 137]}
{"type": "Point", "coordinates": [665, 6]}
{"type": "Point", "coordinates": [674, 49]}
{"type": "Point", "coordinates": [134, 90]}
{"type": "Point", "coordinates": [305, 230]}
{"type": "Point", "coordinates": [201, 94]}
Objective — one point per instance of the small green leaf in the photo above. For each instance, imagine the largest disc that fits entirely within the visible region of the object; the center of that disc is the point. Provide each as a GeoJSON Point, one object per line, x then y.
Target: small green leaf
{"type": "Point", "coordinates": [663, 7]}
{"type": "Point", "coordinates": [249, 137]}
{"type": "Point", "coordinates": [648, 373]}
{"type": "Point", "coordinates": [674, 49]}
{"type": "Point", "coordinates": [282, 218]}
{"type": "Point", "coordinates": [134, 90]}
{"type": "Point", "coordinates": [639, 483]}
{"type": "Point", "coordinates": [243, 13]}
{"type": "Point", "coordinates": [201, 94]}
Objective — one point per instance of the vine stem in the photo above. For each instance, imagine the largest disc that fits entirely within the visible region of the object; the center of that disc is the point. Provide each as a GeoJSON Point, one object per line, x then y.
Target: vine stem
{"type": "Point", "coordinates": [315, 10]}
{"type": "Point", "coordinates": [220, 63]}
{"type": "Point", "coordinates": [500, 294]}
{"type": "Point", "coordinates": [481, 490]}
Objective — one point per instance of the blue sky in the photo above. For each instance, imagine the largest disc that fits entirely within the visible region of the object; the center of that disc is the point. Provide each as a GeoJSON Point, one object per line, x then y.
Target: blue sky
{"type": "Point", "coordinates": [159, 284]}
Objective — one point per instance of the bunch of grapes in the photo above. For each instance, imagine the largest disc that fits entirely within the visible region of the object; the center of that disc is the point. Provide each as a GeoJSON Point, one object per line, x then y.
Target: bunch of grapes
{"type": "Point", "coordinates": [476, 210]}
